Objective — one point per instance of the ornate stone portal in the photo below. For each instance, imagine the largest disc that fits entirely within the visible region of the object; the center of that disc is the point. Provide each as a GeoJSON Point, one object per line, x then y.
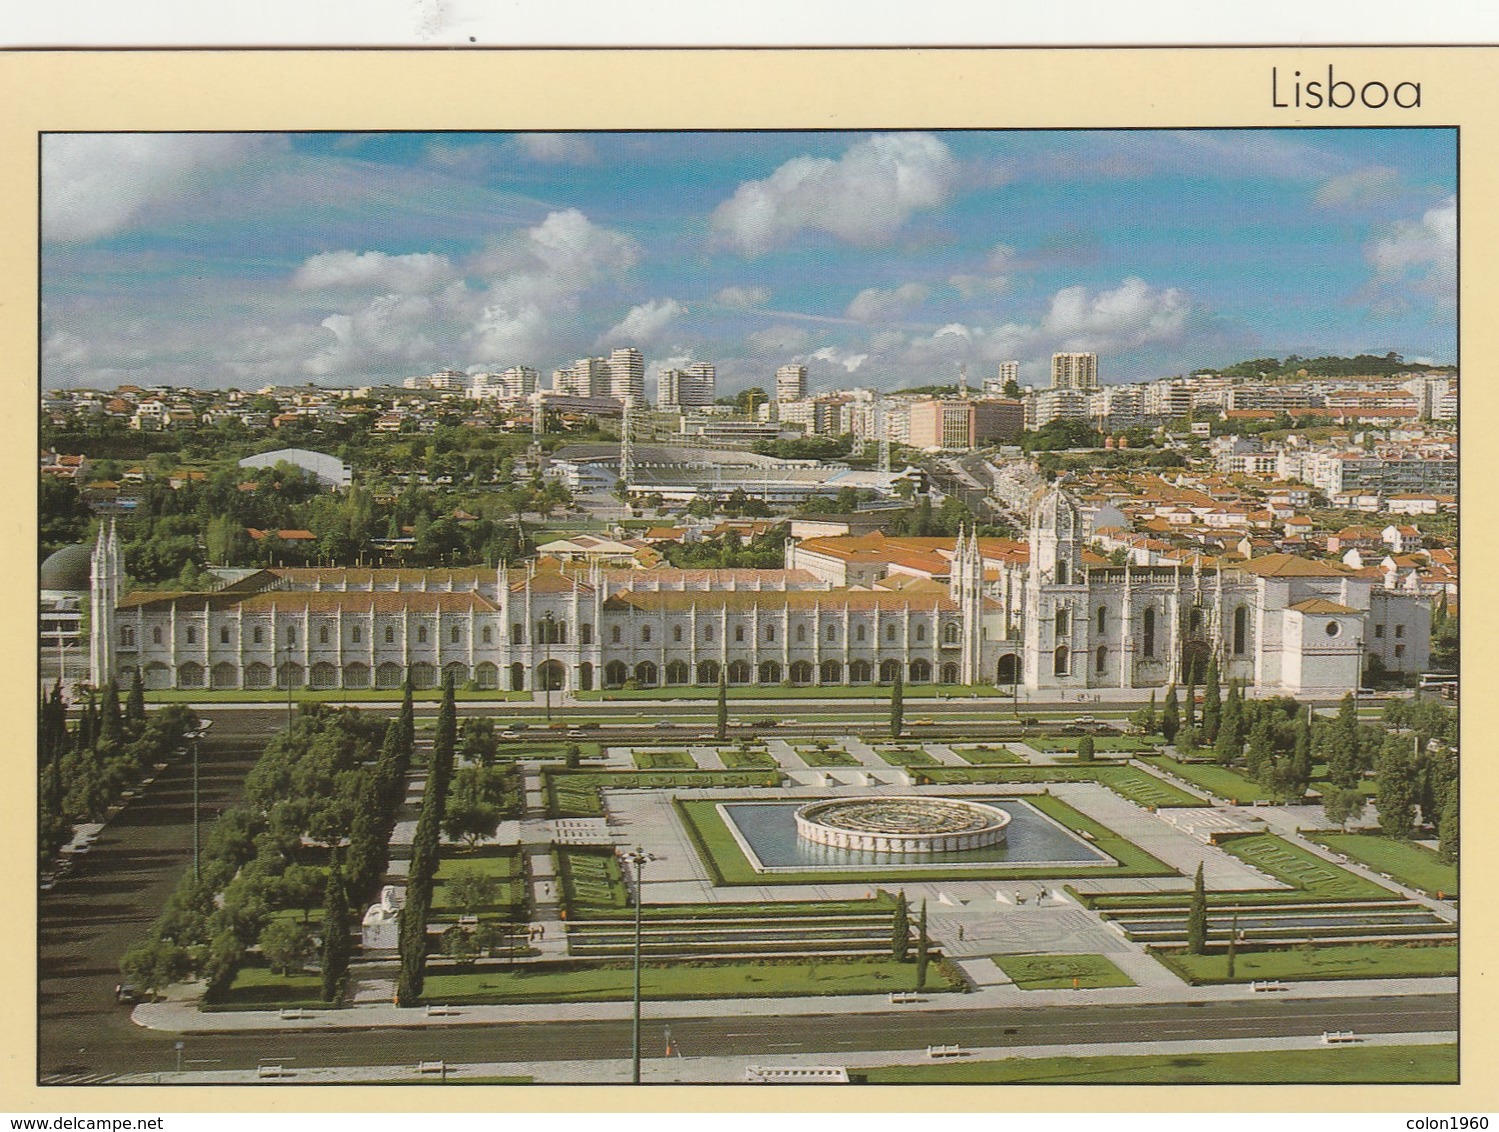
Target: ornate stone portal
{"type": "Point", "coordinates": [902, 824]}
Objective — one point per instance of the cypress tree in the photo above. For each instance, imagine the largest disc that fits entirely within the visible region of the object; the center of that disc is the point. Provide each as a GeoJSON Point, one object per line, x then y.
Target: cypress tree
{"type": "Point", "coordinates": [1150, 718]}
{"type": "Point", "coordinates": [1212, 702]}
{"type": "Point", "coordinates": [1170, 716]}
{"type": "Point", "coordinates": [1085, 749]}
{"type": "Point", "coordinates": [407, 717]}
{"type": "Point", "coordinates": [722, 730]}
{"type": "Point", "coordinates": [1301, 757]}
{"type": "Point", "coordinates": [335, 951]}
{"type": "Point", "coordinates": [1197, 916]}
{"type": "Point", "coordinates": [900, 929]}
{"type": "Point", "coordinates": [111, 718]}
{"type": "Point", "coordinates": [1233, 944]}
{"type": "Point", "coordinates": [923, 946]}
{"type": "Point", "coordinates": [1230, 742]}
{"type": "Point", "coordinates": [1189, 717]}
{"type": "Point", "coordinates": [897, 705]}
{"type": "Point", "coordinates": [135, 703]}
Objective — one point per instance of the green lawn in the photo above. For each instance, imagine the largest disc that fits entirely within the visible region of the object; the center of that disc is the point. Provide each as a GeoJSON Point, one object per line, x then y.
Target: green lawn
{"type": "Point", "coordinates": [575, 794]}
{"type": "Point", "coordinates": [815, 758]}
{"type": "Point", "coordinates": [1333, 961]}
{"type": "Point", "coordinates": [987, 756]}
{"type": "Point", "coordinates": [1349, 1065]}
{"type": "Point", "coordinates": [1102, 744]}
{"type": "Point", "coordinates": [590, 881]}
{"type": "Point", "coordinates": [259, 988]}
{"type": "Point", "coordinates": [1215, 779]}
{"type": "Point", "coordinates": [747, 760]}
{"type": "Point", "coordinates": [574, 982]}
{"type": "Point", "coordinates": [1061, 972]}
{"type": "Point", "coordinates": [1410, 864]}
{"type": "Point", "coordinates": [664, 760]}
{"type": "Point", "coordinates": [1302, 869]}
{"type": "Point", "coordinates": [897, 756]}
{"type": "Point", "coordinates": [501, 863]}
{"type": "Point", "coordinates": [1126, 781]}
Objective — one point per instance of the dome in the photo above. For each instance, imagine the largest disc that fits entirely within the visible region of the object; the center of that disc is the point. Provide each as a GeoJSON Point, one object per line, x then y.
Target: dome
{"type": "Point", "coordinates": [69, 569]}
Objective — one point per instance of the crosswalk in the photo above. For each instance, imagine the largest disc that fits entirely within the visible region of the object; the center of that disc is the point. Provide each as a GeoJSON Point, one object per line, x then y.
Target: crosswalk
{"type": "Point", "coordinates": [79, 1078]}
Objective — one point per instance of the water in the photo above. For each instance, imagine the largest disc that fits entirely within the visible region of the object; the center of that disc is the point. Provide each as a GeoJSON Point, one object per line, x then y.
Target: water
{"type": "Point", "coordinates": [1031, 838]}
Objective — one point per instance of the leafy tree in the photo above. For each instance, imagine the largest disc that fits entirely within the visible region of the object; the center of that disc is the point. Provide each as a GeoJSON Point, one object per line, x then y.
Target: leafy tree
{"type": "Point", "coordinates": [460, 945]}
{"type": "Point", "coordinates": [1395, 783]}
{"type": "Point", "coordinates": [1342, 805]}
{"type": "Point", "coordinates": [1085, 749]}
{"type": "Point", "coordinates": [473, 889]}
{"type": "Point", "coordinates": [285, 944]}
{"type": "Point", "coordinates": [900, 929]}
{"type": "Point", "coordinates": [1447, 832]}
{"type": "Point", "coordinates": [1188, 740]}
{"type": "Point", "coordinates": [897, 705]}
{"type": "Point", "coordinates": [155, 965]}
{"type": "Point", "coordinates": [479, 740]}
{"type": "Point", "coordinates": [573, 756]}
{"type": "Point", "coordinates": [471, 821]}
{"type": "Point", "coordinates": [1170, 716]}
{"type": "Point", "coordinates": [1212, 704]}
{"type": "Point", "coordinates": [1197, 916]}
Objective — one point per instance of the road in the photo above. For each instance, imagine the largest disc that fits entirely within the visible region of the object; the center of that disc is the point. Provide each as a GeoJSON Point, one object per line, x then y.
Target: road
{"type": "Point", "coordinates": [144, 1051]}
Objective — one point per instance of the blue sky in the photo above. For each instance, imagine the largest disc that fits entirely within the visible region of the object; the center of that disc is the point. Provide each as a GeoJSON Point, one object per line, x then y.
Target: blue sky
{"type": "Point", "coordinates": [877, 259]}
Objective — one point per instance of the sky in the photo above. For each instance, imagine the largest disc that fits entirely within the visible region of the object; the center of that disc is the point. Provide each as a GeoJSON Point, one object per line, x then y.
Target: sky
{"type": "Point", "coordinates": [881, 260]}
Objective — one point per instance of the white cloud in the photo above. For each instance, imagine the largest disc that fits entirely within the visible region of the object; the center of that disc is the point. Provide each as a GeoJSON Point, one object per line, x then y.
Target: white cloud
{"type": "Point", "coordinates": [863, 197]}
{"type": "Point", "coordinates": [1419, 254]}
{"type": "Point", "coordinates": [743, 296]}
{"type": "Point", "coordinates": [557, 149]}
{"type": "Point", "coordinates": [94, 185]}
{"type": "Point", "coordinates": [1363, 186]}
{"type": "Point", "coordinates": [645, 322]}
{"type": "Point", "coordinates": [971, 286]}
{"type": "Point", "coordinates": [873, 304]}
{"type": "Point", "coordinates": [1131, 315]}
{"type": "Point", "coordinates": [373, 271]}
{"type": "Point", "coordinates": [849, 360]}
{"type": "Point", "coordinates": [778, 340]}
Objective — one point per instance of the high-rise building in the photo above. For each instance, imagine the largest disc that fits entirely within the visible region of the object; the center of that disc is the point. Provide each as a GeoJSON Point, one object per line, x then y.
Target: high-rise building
{"type": "Point", "coordinates": [1074, 371]}
{"type": "Point", "coordinates": [586, 377]}
{"type": "Point", "coordinates": [626, 375]}
{"type": "Point", "coordinates": [688, 388]}
{"type": "Point", "coordinates": [791, 383]}
{"type": "Point", "coordinates": [1008, 372]}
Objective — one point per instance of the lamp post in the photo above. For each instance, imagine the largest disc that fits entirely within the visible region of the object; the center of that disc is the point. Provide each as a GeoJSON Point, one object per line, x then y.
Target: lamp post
{"type": "Point", "coordinates": [637, 858]}
{"type": "Point", "coordinates": [196, 736]}
{"type": "Point", "coordinates": [286, 675]}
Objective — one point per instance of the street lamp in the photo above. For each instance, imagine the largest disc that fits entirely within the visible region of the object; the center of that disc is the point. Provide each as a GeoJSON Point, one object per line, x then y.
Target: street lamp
{"type": "Point", "coordinates": [637, 857]}
{"type": "Point", "coordinates": [196, 735]}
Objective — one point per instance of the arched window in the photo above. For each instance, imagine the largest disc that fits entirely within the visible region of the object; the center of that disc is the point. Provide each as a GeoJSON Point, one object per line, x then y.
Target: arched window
{"type": "Point", "coordinates": [1241, 630]}
{"type": "Point", "coordinates": [739, 635]}
{"type": "Point", "coordinates": [585, 634]}
{"type": "Point", "coordinates": [223, 634]}
{"type": "Point", "coordinates": [739, 672]}
{"type": "Point", "coordinates": [127, 636]}
{"type": "Point", "coordinates": [950, 634]}
{"type": "Point", "coordinates": [390, 634]}
{"type": "Point", "coordinates": [517, 634]}
{"type": "Point", "coordinates": [1101, 614]}
{"type": "Point", "coordinates": [677, 672]}
{"type": "Point", "coordinates": [1148, 646]}
{"type": "Point", "coordinates": [1101, 659]}
{"type": "Point", "coordinates": [645, 637]}
{"type": "Point", "coordinates": [291, 634]}
{"type": "Point", "coordinates": [770, 672]}
{"type": "Point", "coordinates": [921, 632]}
{"type": "Point", "coordinates": [830, 673]}
{"type": "Point", "coordinates": [708, 633]}
{"type": "Point", "coordinates": [890, 631]}
{"type": "Point", "coordinates": [357, 636]}
{"type": "Point", "coordinates": [645, 674]}
{"type": "Point", "coordinates": [614, 637]}
{"type": "Point", "coordinates": [1062, 662]}
{"type": "Point", "coordinates": [322, 635]}
{"type": "Point", "coordinates": [801, 672]}
{"type": "Point", "coordinates": [1064, 572]}
{"type": "Point", "coordinates": [707, 672]}
{"type": "Point", "coordinates": [889, 671]}
{"type": "Point", "coordinates": [259, 635]}
{"type": "Point", "coordinates": [1064, 622]}
{"type": "Point", "coordinates": [676, 634]}
{"type": "Point", "coordinates": [859, 672]}
{"type": "Point", "coordinates": [487, 638]}
{"type": "Point", "coordinates": [453, 635]}
{"type": "Point", "coordinates": [1194, 620]}
{"type": "Point", "coordinates": [192, 634]}
{"type": "Point", "coordinates": [156, 635]}
{"type": "Point", "coordinates": [421, 634]}
{"type": "Point", "coordinates": [832, 632]}
{"type": "Point", "coordinates": [859, 633]}
{"type": "Point", "coordinates": [801, 634]}
{"type": "Point", "coordinates": [921, 671]}
{"type": "Point", "coordinates": [615, 674]}
{"type": "Point", "coordinates": [770, 632]}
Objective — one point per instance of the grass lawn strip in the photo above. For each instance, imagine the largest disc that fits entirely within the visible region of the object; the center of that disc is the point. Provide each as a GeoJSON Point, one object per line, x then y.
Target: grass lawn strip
{"type": "Point", "coordinates": [257, 987]}
{"type": "Point", "coordinates": [664, 760]}
{"type": "Point", "coordinates": [1410, 864]}
{"type": "Point", "coordinates": [1101, 744]}
{"type": "Point", "coordinates": [568, 982]}
{"type": "Point", "coordinates": [1301, 869]}
{"type": "Point", "coordinates": [815, 758]}
{"type": "Point", "coordinates": [988, 756]}
{"type": "Point", "coordinates": [1215, 779]}
{"type": "Point", "coordinates": [1351, 1065]}
{"type": "Point", "coordinates": [1058, 972]}
{"type": "Point", "coordinates": [1335, 961]}
{"type": "Point", "coordinates": [810, 692]}
{"type": "Point", "coordinates": [747, 760]}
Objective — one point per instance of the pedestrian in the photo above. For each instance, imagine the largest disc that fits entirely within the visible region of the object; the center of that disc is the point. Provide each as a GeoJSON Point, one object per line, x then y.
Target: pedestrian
{"type": "Point", "coordinates": [960, 933]}
{"type": "Point", "coordinates": [542, 931]}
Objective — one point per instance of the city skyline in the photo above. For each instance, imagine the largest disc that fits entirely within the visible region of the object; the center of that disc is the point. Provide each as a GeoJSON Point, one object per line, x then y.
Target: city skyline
{"type": "Point", "coordinates": [880, 260]}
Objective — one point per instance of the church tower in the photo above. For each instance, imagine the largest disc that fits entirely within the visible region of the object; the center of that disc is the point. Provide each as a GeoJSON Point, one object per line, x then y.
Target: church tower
{"type": "Point", "coordinates": [1056, 594]}
{"type": "Point", "coordinates": [104, 595]}
{"type": "Point", "coordinates": [966, 588]}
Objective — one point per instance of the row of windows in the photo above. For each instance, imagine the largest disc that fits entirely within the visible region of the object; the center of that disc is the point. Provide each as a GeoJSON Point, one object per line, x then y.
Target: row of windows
{"type": "Point", "coordinates": [1379, 631]}
{"type": "Point", "coordinates": [548, 631]}
{"type": "Point", "coordinates": [1148, 628]}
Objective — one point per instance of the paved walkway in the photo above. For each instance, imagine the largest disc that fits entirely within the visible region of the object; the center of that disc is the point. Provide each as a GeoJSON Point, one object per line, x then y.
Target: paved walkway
{"type": "Point", "coordinates": [687, 1070]}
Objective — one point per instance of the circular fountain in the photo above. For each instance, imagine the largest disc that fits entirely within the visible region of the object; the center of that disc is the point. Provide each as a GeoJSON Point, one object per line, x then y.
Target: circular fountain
{"type": "Point", "coordinates": [902, 824]}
